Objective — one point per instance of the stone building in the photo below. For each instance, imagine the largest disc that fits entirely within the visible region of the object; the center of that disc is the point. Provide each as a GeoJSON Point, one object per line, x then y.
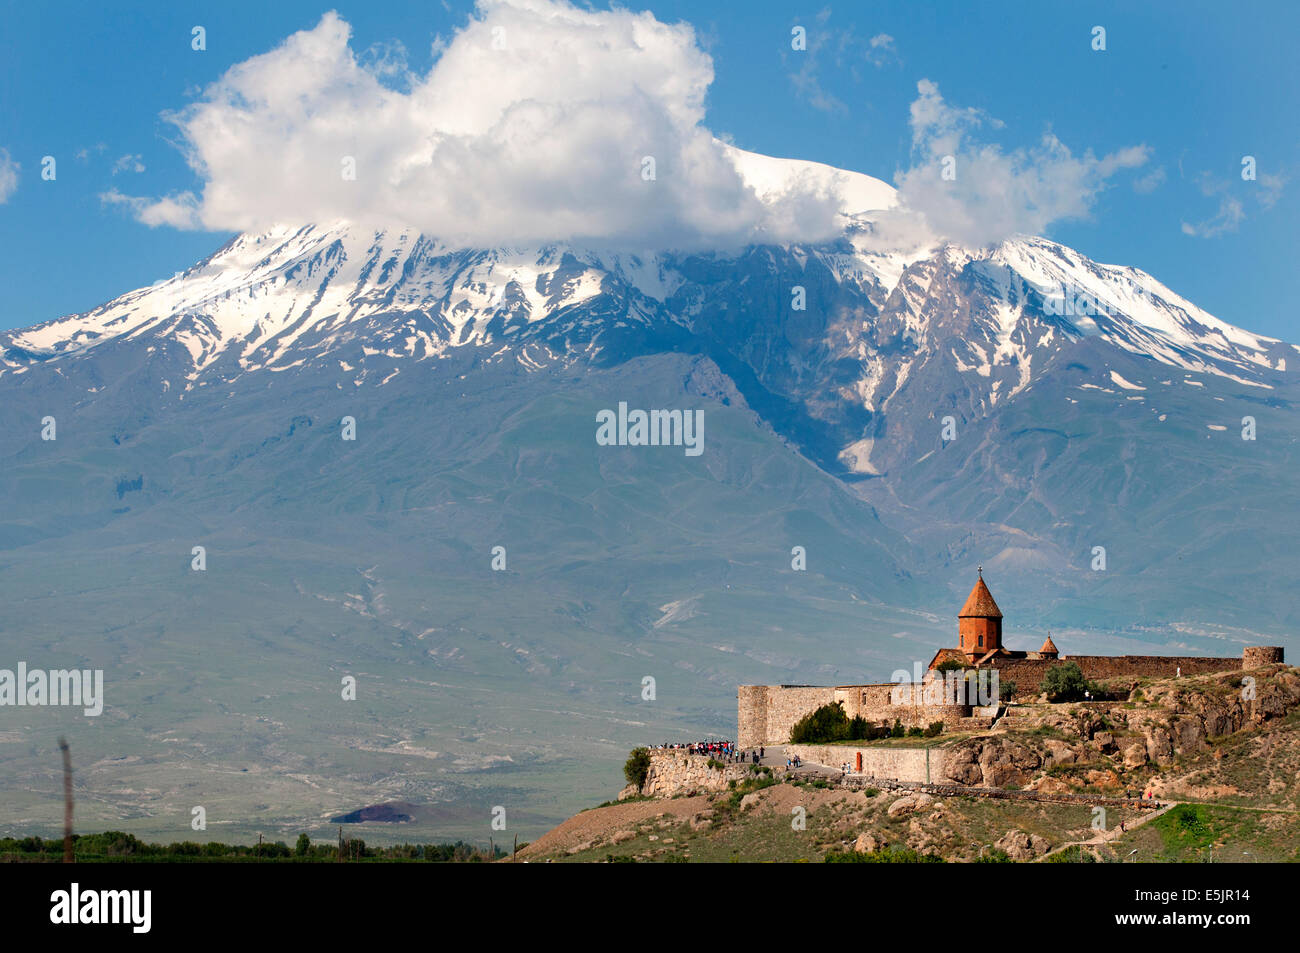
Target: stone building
{"type": "Point", "coordinates": [766, 713]}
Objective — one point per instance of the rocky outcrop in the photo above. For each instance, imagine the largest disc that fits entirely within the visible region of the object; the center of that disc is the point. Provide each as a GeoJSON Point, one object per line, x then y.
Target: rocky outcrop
{"type": "Point", "coordinates": [1182, 720]}
{"type": "Point", "coordinates": [674, 772]}
{"type": "Point", "coordinates": [992, 763]}
{"type": "Point", "coordinates": [867, 843]}
{"type": "Point", "coordinates": [909, 804]}
{"type": "Point", "coordinates": [1022, 846]}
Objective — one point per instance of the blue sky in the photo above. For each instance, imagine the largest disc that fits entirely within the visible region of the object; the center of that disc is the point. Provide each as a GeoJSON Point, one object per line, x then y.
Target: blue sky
{"type": "Point", "coordinates": [1199, 85]}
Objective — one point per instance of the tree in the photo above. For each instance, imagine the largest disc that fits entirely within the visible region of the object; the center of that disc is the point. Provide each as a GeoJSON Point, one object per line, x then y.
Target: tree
{"type": "Point", "coordinates": [1065, 683]}
{"type": "Point", "coordinates": [1006, 690]}
{"type": "Point", "coordinates": [303, 847]}
{"type": "Point", "coordinates": [637, 766]}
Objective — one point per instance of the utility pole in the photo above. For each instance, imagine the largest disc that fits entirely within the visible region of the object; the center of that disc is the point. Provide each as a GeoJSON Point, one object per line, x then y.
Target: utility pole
{"type": "Point", "coordinates": [67, 801]}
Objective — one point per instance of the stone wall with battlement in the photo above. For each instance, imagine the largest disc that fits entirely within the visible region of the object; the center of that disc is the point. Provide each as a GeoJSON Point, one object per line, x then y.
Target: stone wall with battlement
{"type": "Point", "coordinates": [1028, 673]}
{"type": "Point", "coordinates": [766, 713]}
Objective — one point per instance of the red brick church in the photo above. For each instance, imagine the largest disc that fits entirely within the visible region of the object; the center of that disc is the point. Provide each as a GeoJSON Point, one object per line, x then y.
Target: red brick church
{"type": "Point", "coordinates": [979, 633]}
{"type": "Point", "coordinates": [979, 638]}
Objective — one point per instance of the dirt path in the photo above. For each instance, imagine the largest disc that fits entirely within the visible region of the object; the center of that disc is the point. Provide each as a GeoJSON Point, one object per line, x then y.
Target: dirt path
{"type": "Point", "coordinates": [1115, 833]}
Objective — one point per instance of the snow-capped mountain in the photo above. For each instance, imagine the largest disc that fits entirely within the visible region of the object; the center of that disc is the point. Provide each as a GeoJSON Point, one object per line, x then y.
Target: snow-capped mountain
{"type": "Point", "coordinates": [960, 387]}
{"type": "Point", "coordinates": [878, 328]}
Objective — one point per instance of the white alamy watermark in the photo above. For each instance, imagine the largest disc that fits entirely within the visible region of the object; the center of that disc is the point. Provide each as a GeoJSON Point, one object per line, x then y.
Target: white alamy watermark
{"type": "Point", "coordinates": [78, 688]}
{"type": "Point", "coordinates": [971, 686]}
{"type": "Point", "coordinates": [651, 428]}
{"type": "Point", "coordinates": [74, 905]}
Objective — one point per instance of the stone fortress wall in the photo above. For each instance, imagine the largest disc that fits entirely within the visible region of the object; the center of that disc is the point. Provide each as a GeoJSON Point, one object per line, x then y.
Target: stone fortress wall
{"type": "Point", "coordinates": [766, 713]}
{"type": "Point", "coordinates": [1028, 673]}
{"type": "Point", "coordinates": [673, 771]}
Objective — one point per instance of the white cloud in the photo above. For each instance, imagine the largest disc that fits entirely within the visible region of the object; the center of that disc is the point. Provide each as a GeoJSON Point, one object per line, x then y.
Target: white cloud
{"type": "Point", "coordinates": [1150, 182]}
{"type": "Point", "coordinates": [531, 126]}
{"type": "Point", "coordinates": [840, 48]}
{"type": "Point", "coordinates": [1232, 211]}
{"type": "Point", "coordinates": [128, 163]}
{"type": "Point", "coordinates": [1229, 216]}
{"type": "Point", "coordinates": [8, 175]}
{"type": "Point", "coordinates": [882, 50]}
{"type": "Point", "coordinates": [1270, 189]}
{"type": "Point", "coordinates": [996, 194]}
{"type": "Point", "coordinates": [179, 210]}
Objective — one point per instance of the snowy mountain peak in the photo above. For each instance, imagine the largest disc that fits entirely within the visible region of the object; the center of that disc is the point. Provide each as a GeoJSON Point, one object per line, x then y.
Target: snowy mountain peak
{"type": "Point", "coordinates": [340, 295]}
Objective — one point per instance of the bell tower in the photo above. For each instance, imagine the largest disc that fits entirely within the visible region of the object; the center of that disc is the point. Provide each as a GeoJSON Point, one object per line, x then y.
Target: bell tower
{"type": "Point", "coordinates": [979, 623]}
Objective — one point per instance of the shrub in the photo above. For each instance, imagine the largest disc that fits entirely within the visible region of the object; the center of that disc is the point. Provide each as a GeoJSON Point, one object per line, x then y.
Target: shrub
{"type": "Point", "coordinates": [934, 730]}
{"type": "Point", "coordinates": [890, 855]}
{"type": "Point", "coordinates": [950, 665]}
{"type": "Point", "coordinates": [1006, 690]}
{"type": "Point", "coordinates": [827, 723]}
{"type": "Point", "coordinates": [637, 766]}
{"type": "Point", "coordinates": [1065, 683]}
{"type": "Point", "coordinates": [1072, 855]}
{"type": "Point", "coordinates": [897, 731]}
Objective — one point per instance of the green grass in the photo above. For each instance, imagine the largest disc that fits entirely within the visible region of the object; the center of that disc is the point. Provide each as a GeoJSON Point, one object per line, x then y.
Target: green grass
{"type": "Point", "coordinates": [1212, 833]}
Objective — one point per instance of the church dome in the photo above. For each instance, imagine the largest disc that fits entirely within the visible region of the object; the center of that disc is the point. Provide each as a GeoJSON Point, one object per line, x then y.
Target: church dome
{"type": "Point", "coordinates": [980, 604]}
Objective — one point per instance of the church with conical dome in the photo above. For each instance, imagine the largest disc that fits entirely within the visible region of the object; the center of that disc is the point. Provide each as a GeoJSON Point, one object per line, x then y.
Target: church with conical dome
{"type": "Point", "coordinates": [979, 633]}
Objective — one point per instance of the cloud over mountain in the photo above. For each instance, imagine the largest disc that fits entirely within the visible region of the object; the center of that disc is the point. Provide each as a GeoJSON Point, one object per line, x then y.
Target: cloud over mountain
{"type": "Point", "coordinates": [533, 124]}
{"type": "Point", "coordinates": [994, 194]}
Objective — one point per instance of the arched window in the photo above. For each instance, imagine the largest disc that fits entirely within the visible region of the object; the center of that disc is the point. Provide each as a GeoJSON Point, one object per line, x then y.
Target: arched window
{"type": "Point", "coordinates": [981, 641]}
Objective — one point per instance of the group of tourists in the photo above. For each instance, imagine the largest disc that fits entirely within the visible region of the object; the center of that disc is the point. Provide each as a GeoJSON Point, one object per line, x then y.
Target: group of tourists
{"type": "Point", "coordinates": [721, 750]}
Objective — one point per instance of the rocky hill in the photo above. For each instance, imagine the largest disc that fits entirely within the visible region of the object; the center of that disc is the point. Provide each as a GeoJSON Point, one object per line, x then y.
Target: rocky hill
{"type": "Point", "coordinates": [1223, 772]}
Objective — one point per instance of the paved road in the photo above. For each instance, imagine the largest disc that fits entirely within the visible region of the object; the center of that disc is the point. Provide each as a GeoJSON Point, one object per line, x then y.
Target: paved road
{"type": "Point", "coordinates": [775, 755]}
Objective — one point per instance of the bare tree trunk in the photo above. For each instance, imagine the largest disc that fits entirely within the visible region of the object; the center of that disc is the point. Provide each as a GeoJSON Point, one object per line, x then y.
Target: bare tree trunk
{"type": "Point", "coordinates": [67, 801]}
